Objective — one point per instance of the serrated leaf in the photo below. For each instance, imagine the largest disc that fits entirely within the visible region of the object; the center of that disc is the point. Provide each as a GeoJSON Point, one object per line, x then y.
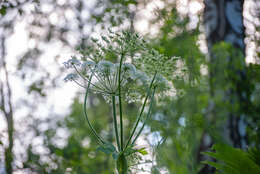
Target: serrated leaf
{"type": "Point", "coordinates": [232, 160]}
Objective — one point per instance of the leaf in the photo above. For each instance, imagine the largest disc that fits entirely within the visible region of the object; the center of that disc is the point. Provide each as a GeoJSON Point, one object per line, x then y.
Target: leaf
{"type": "Point", "coordinates": [232, 160]}
{"type": "Point", "coordinates": [221, 167]}
{"type": "Point", "coordinates": [3, 10]}
{"type": "Point", "coordinates": [142, 151]}
{"type": "Point", "coordinates": [254, 154]}
{"type": "Point", "coordinates": [130, 150]}
{"type": "Point", "coordinates": [107, 148]}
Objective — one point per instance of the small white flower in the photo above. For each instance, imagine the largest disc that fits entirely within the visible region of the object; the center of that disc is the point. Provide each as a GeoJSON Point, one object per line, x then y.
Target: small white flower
{"type": "Point", "coordinates": [71, 77]}
{"type": "Point", "coordinates": [106, 77]}
{"type": "Point", "coordinates": [105, 67]}
{"type": "Point", "coordinates": [129, 70]}
{"type": "Point", "coordinates": [72, 62]}
{"type": "Point", "coordinates": [88, 64]}
{"type": "Point", "coordinates": [141, 77]}
{"type": "Point", "coordinates": [160, 80]}
{"type": "Point", "coordinates": [106, 74]}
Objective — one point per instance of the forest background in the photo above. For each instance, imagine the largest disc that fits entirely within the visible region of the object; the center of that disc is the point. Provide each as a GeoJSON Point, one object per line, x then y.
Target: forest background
{"type": "Point", "coordinates": [216, 98]}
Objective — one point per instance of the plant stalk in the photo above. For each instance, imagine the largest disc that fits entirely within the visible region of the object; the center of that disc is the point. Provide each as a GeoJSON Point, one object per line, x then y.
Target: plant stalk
{"type": "Point", "coordinates": [120, 103]}
{"type": "Point", "coordinates": [102, 142]}
{"type": "Point", "coordinates": [115, 122]}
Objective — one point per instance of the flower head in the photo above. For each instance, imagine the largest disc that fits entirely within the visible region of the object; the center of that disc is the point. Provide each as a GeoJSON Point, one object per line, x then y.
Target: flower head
{"type": "Point", "coordinates": [106, 68]}
{"type": "Point", "coordinates": [129, 70]}
{"type": "Point", "coordinates": [72, 62]}
{"type": "Point", "coordinates": [88, 64]}
{"type": "Point", "coordinates": [105, 77]}
{"type": "Point", "coordinates": [71, 77]}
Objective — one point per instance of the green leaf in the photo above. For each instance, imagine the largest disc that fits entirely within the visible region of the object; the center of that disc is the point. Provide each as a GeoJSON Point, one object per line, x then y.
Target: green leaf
{"type": "Point", "coordinates": [107, 148]}
{"type": "Point", "coordinates": [130, 150]}
{"type": "Point", "coordinates": [3, 10]}
{"type": "Point", "coordinates": [142, 151]}
{"type": "Point", "coordinates": [254, 154]}
{"type": "Point", "coordinates": [221, 167]}
{"type": "Point", "coordinates": [232, 160]}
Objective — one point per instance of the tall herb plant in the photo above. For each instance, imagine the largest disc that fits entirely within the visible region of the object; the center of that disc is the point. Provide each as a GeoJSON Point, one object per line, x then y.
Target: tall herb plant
{"type": "Point", "coordinates": [95, 72]}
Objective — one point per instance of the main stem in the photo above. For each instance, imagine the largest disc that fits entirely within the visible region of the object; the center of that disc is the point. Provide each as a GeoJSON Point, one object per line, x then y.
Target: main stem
{"type": "Point", "coordinates": [115, 122]}
{"type": "Point", "coordinates": [120, 103]}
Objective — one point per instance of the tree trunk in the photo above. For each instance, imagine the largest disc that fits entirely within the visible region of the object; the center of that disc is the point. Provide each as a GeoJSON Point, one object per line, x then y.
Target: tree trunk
{"type": "Point", "coordinates": [7, 108]}
{"type": "Point", "coordinates": [9, 149]}
{"type": "Point", "coordinates": [223, 21]}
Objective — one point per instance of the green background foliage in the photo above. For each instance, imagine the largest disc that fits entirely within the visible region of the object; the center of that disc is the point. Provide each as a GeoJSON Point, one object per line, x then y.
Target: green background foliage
{"type": "Point", "coordinates": [202, 96]}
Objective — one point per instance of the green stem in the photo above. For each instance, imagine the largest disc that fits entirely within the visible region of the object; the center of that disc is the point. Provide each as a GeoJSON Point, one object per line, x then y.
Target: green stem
{"type": "Point", "coordinates": [147, 116]}
{"type": "Point", "coordinates": [120, 103]}
{"type": "Point", "coordinates": [115, 122]}
{"type": "Point", "coordinates": [142, 110]}
{"type": "Point", "coordinates": [102, 142]}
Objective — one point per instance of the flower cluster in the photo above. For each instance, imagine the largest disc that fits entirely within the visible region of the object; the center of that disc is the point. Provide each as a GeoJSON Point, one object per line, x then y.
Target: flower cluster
{"type": "Point", "coordinates": [105, 78]}
{"type": "Point", "coordinates": [117, 81]}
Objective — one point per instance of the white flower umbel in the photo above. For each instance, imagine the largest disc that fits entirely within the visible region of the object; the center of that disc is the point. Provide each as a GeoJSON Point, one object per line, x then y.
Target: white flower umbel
{"type": "Point", "coordinates": [112, 80]}
{"type": "Point", "coordinates": [105, 76]}
{"type": "Point", "coordinates": [118, 81]}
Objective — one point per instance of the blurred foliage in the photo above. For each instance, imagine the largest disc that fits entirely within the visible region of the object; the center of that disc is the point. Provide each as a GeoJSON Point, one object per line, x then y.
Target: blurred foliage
{"type": "Point", "coordinates": [181, 115]}
{"type": "Point", "coordinates": [75, 154]}
{"type": "Point", "coordinates": [180, 118]}
{"type": "Point", "coordinates": [229, 79]}
{"type": "Point", "coordinates": [253, 120]}
{"type": "Point", "coordinates": [233, 160]}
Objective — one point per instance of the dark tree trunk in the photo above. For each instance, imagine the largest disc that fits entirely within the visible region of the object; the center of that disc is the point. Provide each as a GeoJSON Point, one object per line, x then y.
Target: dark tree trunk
{"type": "Point", "coordinates": [9, 149]}
{"type": "Point", "coordinates": [7, 109]}
{"type": "Point", "coordinates": [223, 21]}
